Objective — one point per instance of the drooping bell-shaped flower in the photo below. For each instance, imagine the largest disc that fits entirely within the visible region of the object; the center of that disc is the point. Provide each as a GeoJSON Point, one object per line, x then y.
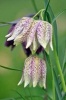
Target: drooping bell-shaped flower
{"type": "Point", "coordinates": [40, 31]}
{"type": "Point", "coordinates": [33, 32]}
{"type": "Point", "coordinates": [44, 34]}
{"type": "Point", "coordinates": [21, 29]}
{"type": "Point", "coordinates": [11, 42]}
{"type": "Point", "coordinates": [34, 72]}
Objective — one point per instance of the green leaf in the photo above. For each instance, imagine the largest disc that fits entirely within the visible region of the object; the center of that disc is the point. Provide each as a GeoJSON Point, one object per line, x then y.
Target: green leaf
{"type": "Point", "coordinates": [52, 76]}
{"type": "Point", "coordinates": [59, 70]}
{"type": "Point", "coordinates": [64, 71]}
{"type": "Point", "coordinates": [10, 68]}
{"type": "Point", "coordinates": [8, 23]}
{"type": "Point", "coordinates": [64, 61]}
{"type": "Point", "coordinates": [19, 94]}
{"type": "Point", "coordinates": [34, 5]}
{"type": "Point", "coordinates": [46, 8]}
{"type": "Point", "coordinates": [54, 24]}
{"type": "Point", "coordinates": [48, 17]}
{"type": "Point", "coordinates": [64, 96]}
{"type": "Point", "coordinates": [57, 85]}
{"type": "Point", "coordinates": [58, 15]}
{"type": "Point", "coordinates": [8, 99]}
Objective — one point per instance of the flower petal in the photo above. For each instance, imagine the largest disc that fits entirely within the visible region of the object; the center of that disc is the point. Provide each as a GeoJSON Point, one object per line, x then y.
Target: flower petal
{"type": "Point", "coordinates": [21, 80]}
{"type": "Point", "coordinates": [36, 71]}
{"type": "Point", "coordinates": [51, 45]}
{"type": "Point", "coordinates": [43, 33]}
{"type": "Point", "coordinates": [27, 71]}
{"type": "Point", "coordinates": [20, 27]}
{"type": "Point", "coordinates": [40, 34]}
{"type": "Point", "coordinates": [23, 35]}
{"type": "Point", "coordinates": [32, 32]}
{"type": "Point", "coordinates": [34, 46]}
{"type": "Point", "coordinates": [8, 35]}
{"type": "Point", "coordinates": [43, 65]}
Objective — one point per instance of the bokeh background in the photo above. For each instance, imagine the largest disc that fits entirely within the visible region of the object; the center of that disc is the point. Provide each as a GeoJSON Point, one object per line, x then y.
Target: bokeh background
{"type": "Point", "coordinates": [12, 10]}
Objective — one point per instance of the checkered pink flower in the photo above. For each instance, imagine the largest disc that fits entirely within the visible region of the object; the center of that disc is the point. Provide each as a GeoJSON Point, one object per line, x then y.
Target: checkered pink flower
{"type": "Point", "coordinates": [20, 29]}
{"type": "Point", "coordinates": [34, 72]}
{"type": "Point", "coordinates": [33, 32]}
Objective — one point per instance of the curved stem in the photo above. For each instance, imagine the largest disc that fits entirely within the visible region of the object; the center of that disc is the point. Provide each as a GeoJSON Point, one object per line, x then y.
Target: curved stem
{"type": "Point", "coordinates": [41, 15]}
{"type": "Point", "coordinates": [38, 12]}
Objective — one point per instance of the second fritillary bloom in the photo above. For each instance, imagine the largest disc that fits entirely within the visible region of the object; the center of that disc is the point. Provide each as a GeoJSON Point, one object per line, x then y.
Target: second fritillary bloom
{"type": "Point", "coordinates": [34, 72]}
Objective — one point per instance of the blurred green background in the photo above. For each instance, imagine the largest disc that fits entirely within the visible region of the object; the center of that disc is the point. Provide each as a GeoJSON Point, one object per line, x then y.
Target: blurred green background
{"type": "Point", "coordinates": [11, 10]}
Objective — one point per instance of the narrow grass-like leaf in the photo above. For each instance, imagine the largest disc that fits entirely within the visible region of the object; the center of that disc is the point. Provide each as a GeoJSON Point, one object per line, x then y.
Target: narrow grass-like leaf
{"type": "Point", "coordinates": [48, 17]}
{"type": "Point", "coordinates": [30, 94]}
{"type": "Point", "coordinates": [58, 15]}
{"type": "Point", "coordinates": [47, 5]}
{"type": "Point", "coordinates": [1, 25]}
{"type": "Point", "coordinates": [54, 24]}
{"type": "Point", "coordinates": [60, 71]}
{"type": "Point", "coordinates": [46, 8]}
{"type": "Point", "coordinates": [34, 5]}
{"type": "Point", "coordinates": [64, 61]}
{"type": "Point", "coordinates": [8, 23]}
{"type": "Point", "coordinates": [64, 97]}
{"type": "Point", "coordinates": [19, 94]}
{"type": "Point", "coordinates": [8, 99]}
{"type": "Point", "coordinates": [64, 72]}
{"type": "Point", "coordinates": [57, 85]}
{"type": "Point", "coordinates": [49, 97]}
{"type": "Point", "coordinates": [10, 68]}
{"type": "Point", "coordinates": [46, 56]}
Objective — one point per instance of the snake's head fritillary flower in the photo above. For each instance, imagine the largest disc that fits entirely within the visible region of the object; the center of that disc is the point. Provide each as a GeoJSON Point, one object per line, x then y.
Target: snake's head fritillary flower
{"type": "Point", "coordinates": [11, 42]}
{"type": "Point", "coordinates": [42, 32]}
{"type": "Point", "coordinates": [44, 35]}
{"type": "Point", "coordinates": [20, 30]}
{"type": "Point", "coordinates": [34, 72]}
{"type": "Point", "coordinates": [33, 32]}
{"type": "Point", "coordinates": [39, 33]}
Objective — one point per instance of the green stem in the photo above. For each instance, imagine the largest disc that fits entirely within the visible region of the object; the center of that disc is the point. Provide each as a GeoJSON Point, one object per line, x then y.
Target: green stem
{"type": "Point", "coordinates": [60, 71]}
{"type": "Point", "coordinates": [41, 15]}
{"type": "Point", "coordinates": [53, 84]}
{"type": "Point", "coordinates": [38, 12]}
{"type": "Point", "coordinates": [58, 90]}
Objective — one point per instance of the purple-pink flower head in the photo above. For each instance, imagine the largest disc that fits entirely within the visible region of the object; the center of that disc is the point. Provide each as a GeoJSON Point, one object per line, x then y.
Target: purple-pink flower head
{"type": "Point", "coordinates": [20, 29]}
{"type": "Point", "coordinates": [34, 72]}
{"type": "Point", "coordinates": [34, 32]}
